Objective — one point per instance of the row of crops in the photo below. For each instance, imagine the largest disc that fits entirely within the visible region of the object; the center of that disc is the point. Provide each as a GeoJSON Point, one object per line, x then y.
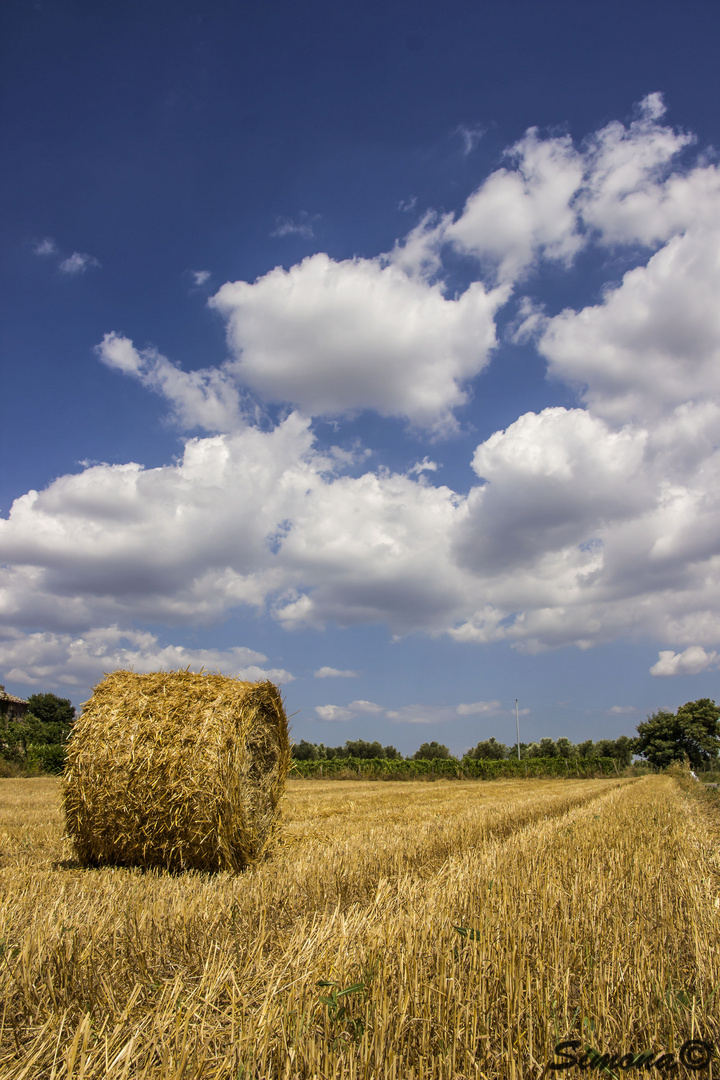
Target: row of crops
{"type": "Point", "coordinates": [468, 769]}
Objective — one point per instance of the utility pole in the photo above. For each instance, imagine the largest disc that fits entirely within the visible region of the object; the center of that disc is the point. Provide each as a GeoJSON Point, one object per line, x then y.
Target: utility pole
{"type": "Point", "coordinates": [517, 726]}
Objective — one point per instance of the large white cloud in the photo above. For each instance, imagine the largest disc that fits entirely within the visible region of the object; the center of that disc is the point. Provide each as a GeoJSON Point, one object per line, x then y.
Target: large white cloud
{"type": "Point", "coordinates": [518, 212]}
{"type": "Point", "coordinates": [580, 533]}
{"type": "Point", "coordinates": [64, 660]}
{"type": "Point", "coordinates": [691, 661]}
{"type": "Point", "coordinates": [622, 186]}
{"type": "Point", "coordinates": [654, 341]}
{"type": "Point", "coordinates": [334, 337]}
{"type": "Point", "coordinates": [585, 525]}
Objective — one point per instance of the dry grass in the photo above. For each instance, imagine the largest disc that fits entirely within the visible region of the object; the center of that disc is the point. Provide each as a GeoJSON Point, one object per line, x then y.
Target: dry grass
{"type": "Point", "coordinates": [592, 909]}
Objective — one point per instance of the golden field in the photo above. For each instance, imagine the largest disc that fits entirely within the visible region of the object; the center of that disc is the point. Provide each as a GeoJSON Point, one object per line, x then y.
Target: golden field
{"type": "Point", "coordinates": [590, 909]}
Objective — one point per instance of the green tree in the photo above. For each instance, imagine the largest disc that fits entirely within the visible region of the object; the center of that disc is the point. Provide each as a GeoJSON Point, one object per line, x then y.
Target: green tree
{"type": "Point", "coordinates": [693, 731]}
{"type": "Point", "coordinates": [51, 709]}
{"type": "Point", "coordinates": [624, 749]}
{"type": "Point", "coordinates": [359, 748]}
{"type": "Point", "coordinates": [305, 751]}
{"type": "Point", "coordinates": [430, 751]}
{"type": "Point", "coordinates": [489, 750]}
{"type": "Point", "coordinates": [565, 748]}
{"type": "Point", "coordinates": [524, 747]}
{"type": "Point", "coordinates": [548, 748]}
{"type": "Point", "coordinates": [37, 741]}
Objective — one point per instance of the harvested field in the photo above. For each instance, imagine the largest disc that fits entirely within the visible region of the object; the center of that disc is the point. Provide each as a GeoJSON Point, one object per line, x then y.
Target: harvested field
{"type": "Point", "coordinates": [590, 910]}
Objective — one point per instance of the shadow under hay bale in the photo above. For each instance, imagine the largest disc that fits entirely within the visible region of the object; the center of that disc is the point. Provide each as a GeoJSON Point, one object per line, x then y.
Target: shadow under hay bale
{"type": "Point", "coordinates": [176, 770]}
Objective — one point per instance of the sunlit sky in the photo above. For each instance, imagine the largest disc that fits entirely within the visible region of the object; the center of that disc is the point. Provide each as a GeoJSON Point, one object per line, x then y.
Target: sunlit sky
{"type": "Point", "coordinates": [374, 349]}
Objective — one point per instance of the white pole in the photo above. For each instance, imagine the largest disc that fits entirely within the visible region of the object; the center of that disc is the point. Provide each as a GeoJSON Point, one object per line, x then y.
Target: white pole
{"type": "Point", "coordinates": [517, 725]}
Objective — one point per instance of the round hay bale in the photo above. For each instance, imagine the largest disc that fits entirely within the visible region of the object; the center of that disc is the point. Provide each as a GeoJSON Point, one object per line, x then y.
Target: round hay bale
{"type": "Point", "coordinates": [176, 770]}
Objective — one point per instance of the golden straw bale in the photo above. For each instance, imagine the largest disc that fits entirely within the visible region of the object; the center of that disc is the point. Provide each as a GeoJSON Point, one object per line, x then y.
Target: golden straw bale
{"type": "Point", "coordinates": [177, 770]}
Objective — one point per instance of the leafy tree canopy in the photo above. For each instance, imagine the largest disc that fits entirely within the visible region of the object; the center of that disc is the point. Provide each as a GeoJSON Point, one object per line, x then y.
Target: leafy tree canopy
{"type": "Point", "coordinates": [693, 731]}
{"type": "Point", "coordinates": [51, 709]}
{"type": "Point", "coordinates": [430, 750]}
{"type": "Point", "coordinates": [489, 750]}
{"type": "Point", "coordinates": [305, 751]}
{"type": "Point", "coordinates": [565, 748]}
{"type": "Point", "coordinates": [357, 748]}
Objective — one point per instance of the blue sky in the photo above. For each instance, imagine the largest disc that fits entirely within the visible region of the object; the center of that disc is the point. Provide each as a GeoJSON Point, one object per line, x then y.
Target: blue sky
{"type": "Point", "coordinates": [372, 347]}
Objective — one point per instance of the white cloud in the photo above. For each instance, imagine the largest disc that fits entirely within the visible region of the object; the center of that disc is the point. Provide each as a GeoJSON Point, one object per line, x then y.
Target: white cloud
{"type": "Point", "coordinates": [585, 525]}
{"type": "Point", "coordinates": [57, 659]}
{"type": "Point", "coordinates": [476, 708]}
{"type": "Point", "coordinates": [518, 212]}
{"type": "Point", "coordinates": [302, 227]}
{"type": "Point", "coordinates": [631, 193]}
{"type": "Point", "coordinates": [422, 714]}
{"type": "Point", "coordinates": [690, 662]}
{"type": "Point", "coordinates": [77, 263]}
{"type": "Point", "coordinates": [470, 136]}
{"type": "Point", "coordinates": [622, 186]}
{"type": "Point", "coordinates": [46, 246]}
{"type": "Point", "coordinates": [654, 341]}
{"type": "Point", "coordinates": [331, 672]}
{"type": "Point", "coordinates": [621, 710]}
{"type": "Point", "coordinates": [332, 713]}
{"type": "Point", "coordinates": [426, 465]}
{"type": "Point", "coordinates": [334, 337]}
{"type": "Point", "coordinates": [552, 480]}
{"type": "Point", "coordinates": [200, 277]}
{"type": "Point", "coordinates": [581, 534]}
{"type": "Point", "coordinates": [207, 398]}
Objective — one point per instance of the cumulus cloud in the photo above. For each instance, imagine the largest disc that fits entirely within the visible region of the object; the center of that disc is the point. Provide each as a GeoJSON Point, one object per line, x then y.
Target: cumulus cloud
{"type": "Point", "coordinates": [629, 194]}
{"type": "Point", "coordinates": [584, 524]}
{"type": "Point", "coordinates": [552, 481]}
{"type": "Point", "coordinates": [77, 263]}
{"type": "Point", "coordinates": [621, 186]}
{"type": "Point", "coordinates": [200, 277]}
{"type": "Point", "coordinates": [331, 713]}
{"type": "Point", "coordinates": [691, 661]}
{"type": "Point", "coordinates": [207, 398]}
{"type": "Point", "coordinates": [654, 341]}
{"type": "Point", "coordinates": [336, 337]}
{"type": "Point", "coordinates": [66, 660]}
{"type": "Point", "coordinates": [525, 209]}
{"type": "Point", "coordinates": [578, 533]}
{"type": "Point", "coordinates": [331, 672]}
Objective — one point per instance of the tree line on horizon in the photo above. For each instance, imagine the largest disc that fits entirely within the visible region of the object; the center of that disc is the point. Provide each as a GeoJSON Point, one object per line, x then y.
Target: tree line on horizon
{"type": "Point", "coordinates": [36, 742]}
{"type": "Point", "coordinates": [663, 738]}
{"type": "Point", "coordinates": [621, 750]}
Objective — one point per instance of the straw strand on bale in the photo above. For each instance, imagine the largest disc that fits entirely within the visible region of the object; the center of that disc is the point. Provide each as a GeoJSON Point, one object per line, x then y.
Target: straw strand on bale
{"type": "Point", "coordinates": [177, 770]}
